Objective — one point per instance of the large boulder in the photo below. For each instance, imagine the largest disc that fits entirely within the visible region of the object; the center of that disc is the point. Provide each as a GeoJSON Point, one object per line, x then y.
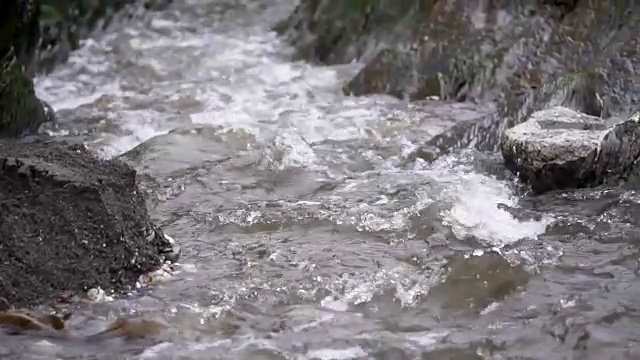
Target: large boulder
{"type": "Point", "coordinates": [560, 148]}
{"type": "Point", "coordinates": [70, 222]}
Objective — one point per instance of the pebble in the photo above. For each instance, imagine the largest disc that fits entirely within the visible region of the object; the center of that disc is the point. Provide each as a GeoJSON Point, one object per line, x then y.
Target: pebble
{"type": "Point", "coordinates": [97, 295]}
{"type": "Point", "coordinates": [163, 274]}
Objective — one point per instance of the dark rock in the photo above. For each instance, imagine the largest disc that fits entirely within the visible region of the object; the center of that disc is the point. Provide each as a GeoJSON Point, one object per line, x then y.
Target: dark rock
{"type": "Point", "coordinates": [475, 281]}
{"type": "Point", "coordinates": [338, 32]}
{"type": "Point", "coordinates": [561, 148]}
{"type": "Point", "coordinates": [23, 18]}
{"type": "Point", "coordinates": [70, 222]}
{"type": "Point", "coordinates": [581, 91]}
{"type": "Point", "coordinates": [379, 76]}
{"type": "Point", "coordinates": [170, 250]}
{"type": "Point", "coordinates": [20, 110]}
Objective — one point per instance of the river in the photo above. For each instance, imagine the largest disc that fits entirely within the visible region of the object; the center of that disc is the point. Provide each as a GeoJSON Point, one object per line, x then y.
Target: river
{"type": "Point", "coordinates": [308, 233]}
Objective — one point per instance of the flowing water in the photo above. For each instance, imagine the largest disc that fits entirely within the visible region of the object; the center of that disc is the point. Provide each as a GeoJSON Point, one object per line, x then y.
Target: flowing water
{"type": "Point", "coordinates": [308, 232]}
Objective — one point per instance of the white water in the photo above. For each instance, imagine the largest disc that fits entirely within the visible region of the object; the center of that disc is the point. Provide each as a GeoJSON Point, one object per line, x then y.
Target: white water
{"type": "Point", "coordinates": [147, 79]}
{"type": "Point", "coordinates": [243, 80]}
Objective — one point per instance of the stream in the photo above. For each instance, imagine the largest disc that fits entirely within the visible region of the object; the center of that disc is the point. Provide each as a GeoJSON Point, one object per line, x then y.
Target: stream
{"type": "Point", "coordinates": [307, 230]}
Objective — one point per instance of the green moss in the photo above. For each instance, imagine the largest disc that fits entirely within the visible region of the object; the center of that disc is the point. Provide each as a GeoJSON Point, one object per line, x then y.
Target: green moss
{"type": "Point", "coordinates": [20, 109]}
{"type": "Point", "coordinates": [51, 14]}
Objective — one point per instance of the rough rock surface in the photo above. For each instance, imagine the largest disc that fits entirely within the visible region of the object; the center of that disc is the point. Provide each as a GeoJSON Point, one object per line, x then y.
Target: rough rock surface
{"type": "Point", "coordinates": [560, 148]}
{"type": "Point", "coordinates": [524, 56]}
{"type": "Point", "coordinates": [69, 222]}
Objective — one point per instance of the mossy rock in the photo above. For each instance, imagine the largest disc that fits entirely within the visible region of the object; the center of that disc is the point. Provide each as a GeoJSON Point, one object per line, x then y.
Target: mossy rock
{"type": "Point", "coordinates": [21, 112]}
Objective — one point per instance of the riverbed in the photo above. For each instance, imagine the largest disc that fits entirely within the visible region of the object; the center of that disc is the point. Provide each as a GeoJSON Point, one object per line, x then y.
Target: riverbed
{"type": "Point", "coordinates": [308, 230]}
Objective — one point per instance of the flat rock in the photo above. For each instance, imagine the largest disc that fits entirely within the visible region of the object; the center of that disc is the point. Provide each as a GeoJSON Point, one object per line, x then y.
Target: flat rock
{"type": "Point", "coordinates": [70, 222]}
{"type": "Point", "coordinates": [560, 148]}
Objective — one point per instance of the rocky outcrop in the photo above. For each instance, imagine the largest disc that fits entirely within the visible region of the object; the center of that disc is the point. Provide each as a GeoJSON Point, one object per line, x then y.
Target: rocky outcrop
{"type": "Point", "coordinates": [524, 56]}
{"type": "Point", "coordinates": [560, 148]}
{"type": "Point", "coordinates": [71, 222]}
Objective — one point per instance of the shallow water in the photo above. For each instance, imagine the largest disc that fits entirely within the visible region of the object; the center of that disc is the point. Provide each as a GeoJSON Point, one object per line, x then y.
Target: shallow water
{"type": "Point", "coordinates": [308, 232]}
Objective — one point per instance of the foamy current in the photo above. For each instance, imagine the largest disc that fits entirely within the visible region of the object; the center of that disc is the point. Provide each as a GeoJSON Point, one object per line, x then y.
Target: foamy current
{"type": "Point", "coordinates": [287, 194]}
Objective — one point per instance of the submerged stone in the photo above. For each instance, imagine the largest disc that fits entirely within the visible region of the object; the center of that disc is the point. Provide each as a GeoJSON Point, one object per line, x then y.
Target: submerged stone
{"type": "Point", "coordinates": [70, 222]}
{"type": "Point", "coordinates": [560, 148]}
{"type": "Point", "coordinates": [134, 328]}
{"type": "Point", "coordinates": [20, 320]}
{"type": "Point", "coordinates": [474, 282]}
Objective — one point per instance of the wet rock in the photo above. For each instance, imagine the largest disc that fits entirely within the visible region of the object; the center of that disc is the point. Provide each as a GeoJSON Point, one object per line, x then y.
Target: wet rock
{"type": "Point", "coordinates": [19, 320]}
{"type": "Point", "coordinates": [427, 43]}
{"type": "Point", "coordinates": [134, 328]}
{"type": "Point", "coordinates": [460, 132]}
{"type": "Point", "coordinates": [581, 92]}
{"type": "Point", "coordinates": [474, 282]}
{"type": "Point", "coordinates": [560, 148]}
{"type": "Point", "coordinates": [329, 32]}
{"type": "Point", "coordinates": [20, 25]}
{"type": "Point", "coordinates": [378, 77]}
{"type": "Point", "coordinates": [70, 222]}
{"type": "Point", "coordinates": [20, 110]}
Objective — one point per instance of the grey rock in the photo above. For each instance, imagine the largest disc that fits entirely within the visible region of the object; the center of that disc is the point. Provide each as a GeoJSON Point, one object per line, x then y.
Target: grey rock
{"type": "Point", "coordinates": [560, 148]}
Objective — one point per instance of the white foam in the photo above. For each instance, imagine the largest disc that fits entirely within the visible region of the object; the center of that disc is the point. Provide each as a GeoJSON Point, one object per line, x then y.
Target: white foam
{"type": "Point", "coordinates": [240, 78]}
{"type": "Point", "coordinates": [475, 198]}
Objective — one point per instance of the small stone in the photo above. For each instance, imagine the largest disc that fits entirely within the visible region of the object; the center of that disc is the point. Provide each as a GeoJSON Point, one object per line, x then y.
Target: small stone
{"type": "Point", "coordinates": [97, 295]}
{"type": "Point", "coordinates": [163, 274]}
{"type": "Point", "coordinates": [173, 251]}
{"type": "Point", "coordinates": [133, 328]}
